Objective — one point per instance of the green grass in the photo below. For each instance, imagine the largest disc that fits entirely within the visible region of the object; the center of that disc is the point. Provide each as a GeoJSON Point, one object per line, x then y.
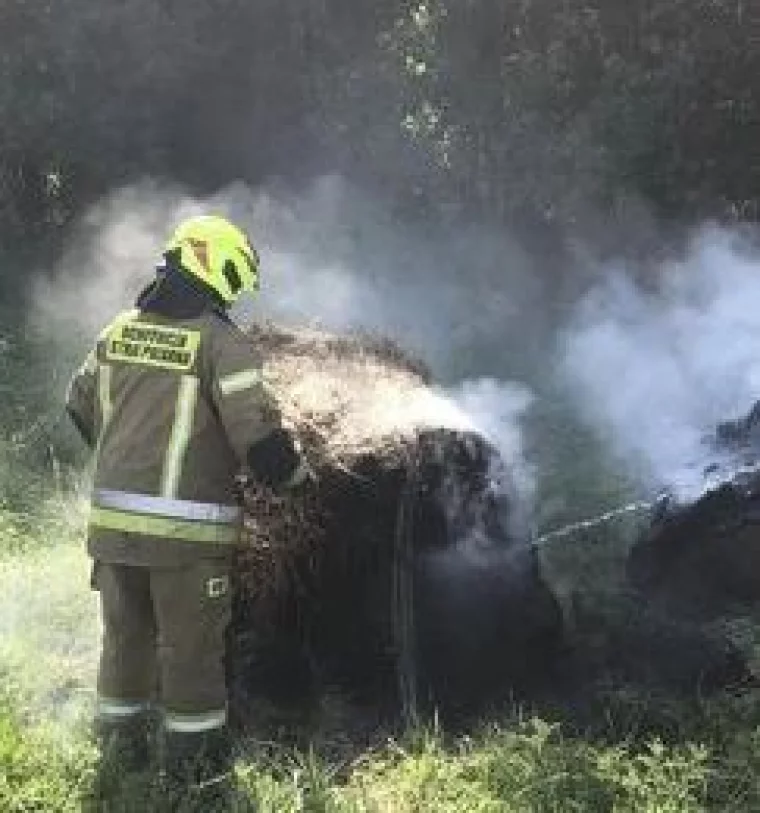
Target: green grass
{"type": "Point", "coordinates": [707, 759]}
{"type": "Point", "coordinates": [527, 767]}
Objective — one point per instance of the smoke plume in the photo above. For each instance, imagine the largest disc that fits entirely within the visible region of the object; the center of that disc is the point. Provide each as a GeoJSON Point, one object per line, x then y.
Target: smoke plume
{"type": "Point", "coordinates": [49, 626]}
{"type": "Point", "coordinates": [330, 259]}
{"type": "Point", "coordinates": [656, 362]}
{"type": "Point", "coordinates": [653, 358]}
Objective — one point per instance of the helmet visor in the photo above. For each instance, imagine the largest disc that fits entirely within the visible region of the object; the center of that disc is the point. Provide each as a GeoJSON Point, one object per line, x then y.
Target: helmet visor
{"type": "Point", "coordinates": [251, 259]}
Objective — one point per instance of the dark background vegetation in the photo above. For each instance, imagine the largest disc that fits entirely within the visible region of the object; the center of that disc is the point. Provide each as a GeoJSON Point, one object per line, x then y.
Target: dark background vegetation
{"type": "Point", "coordinates": [606, 122]}
{"type": "Point", "coordinates": [550, 118]}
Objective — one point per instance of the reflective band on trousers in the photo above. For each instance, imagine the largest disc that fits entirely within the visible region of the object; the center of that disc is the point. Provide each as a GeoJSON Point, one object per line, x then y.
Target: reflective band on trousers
{"type": "Point", "coordinates": [195, 723]}
{"type": "Point", "coordinates": [237, 382]}
{"type": "Point", "coordinates": [179, 529]}
{"type": "Point", "coordinates": [166, 507]}
{"type": "Point", "coordinates": [112, 707]}
{"type": "Point", "coordinates": [181, 434]}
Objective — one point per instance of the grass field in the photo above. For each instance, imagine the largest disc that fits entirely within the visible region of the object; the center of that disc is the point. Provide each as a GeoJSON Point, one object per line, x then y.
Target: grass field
{"type": "Point", "coordinates": [640, 755]}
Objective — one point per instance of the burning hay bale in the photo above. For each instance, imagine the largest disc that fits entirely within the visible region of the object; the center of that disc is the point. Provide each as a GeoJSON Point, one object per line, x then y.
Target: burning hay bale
{"type": "Point", "coordinates": [346, 400]}
{"type": "Point", "coordinates": [400, 578]}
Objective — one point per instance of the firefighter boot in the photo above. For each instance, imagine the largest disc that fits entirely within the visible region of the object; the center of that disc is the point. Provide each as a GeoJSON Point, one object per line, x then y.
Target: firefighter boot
{"type": "Point", "coordinates": [198, 770]}
{"type": "Point", "coordinates": [124, 750]}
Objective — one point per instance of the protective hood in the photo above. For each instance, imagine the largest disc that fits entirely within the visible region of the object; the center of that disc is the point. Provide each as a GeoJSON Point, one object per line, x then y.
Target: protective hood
{"type": "Point", "coordinates": [175, 295]}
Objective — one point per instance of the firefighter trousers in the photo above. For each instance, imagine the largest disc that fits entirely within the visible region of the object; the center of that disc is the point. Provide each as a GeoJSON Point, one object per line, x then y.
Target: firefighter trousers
{"type": "Point", "coordinates": [164, 643]}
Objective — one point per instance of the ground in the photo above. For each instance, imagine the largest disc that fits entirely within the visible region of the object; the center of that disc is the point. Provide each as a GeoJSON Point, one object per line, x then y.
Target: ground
{"type": "Point", "coordinates": [630, 750]}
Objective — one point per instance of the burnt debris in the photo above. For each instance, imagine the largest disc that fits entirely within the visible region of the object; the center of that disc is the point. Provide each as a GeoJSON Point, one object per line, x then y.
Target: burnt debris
{"type": "Point", "coordinates": [695, 572]}
{"type": "Point", "coordinates": [702, 559]}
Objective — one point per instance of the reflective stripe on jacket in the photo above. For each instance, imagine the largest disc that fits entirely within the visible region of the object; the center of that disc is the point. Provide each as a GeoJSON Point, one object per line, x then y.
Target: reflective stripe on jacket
{"type": "Point", "coordinates": [171, 408]}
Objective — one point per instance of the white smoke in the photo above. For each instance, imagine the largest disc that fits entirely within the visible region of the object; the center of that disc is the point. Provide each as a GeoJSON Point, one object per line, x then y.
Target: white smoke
{"type": "Point", "coordinates": [49, 630]}
{"type": "Point", "coordinates": [108, 260]}
{"type": "Point", "coordinates": [496, 410]}
{"type": "Point", "coordinates": [656, 363]}
{"type": "Point", "coordinates": [330, 259]}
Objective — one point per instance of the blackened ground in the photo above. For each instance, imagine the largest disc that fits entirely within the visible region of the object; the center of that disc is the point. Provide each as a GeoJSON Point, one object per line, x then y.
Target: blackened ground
{"type": "Point", "coordinates": [422, 598]}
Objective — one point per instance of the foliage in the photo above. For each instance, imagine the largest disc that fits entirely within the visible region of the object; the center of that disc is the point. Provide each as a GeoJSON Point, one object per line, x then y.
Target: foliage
{"type": "Point", "coordinates": [526, 768]}
{"type": "Point", "coordinates": [40, 456]}
{"type": "Point", "coordinates": [527, 113]}
{"type": "Point", "coordinates": [560, 106]}
{"type": "Point", "coordinates": [37, 774]}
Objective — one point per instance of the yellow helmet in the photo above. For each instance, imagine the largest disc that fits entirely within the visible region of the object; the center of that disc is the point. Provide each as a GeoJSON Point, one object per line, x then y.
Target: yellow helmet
{"type": "Point", "coordinates": [217, 253]}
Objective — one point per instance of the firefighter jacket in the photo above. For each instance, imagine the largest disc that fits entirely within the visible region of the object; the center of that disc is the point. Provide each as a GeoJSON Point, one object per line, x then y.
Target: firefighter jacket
{"type": "Point", "coordinates": [173, 407]}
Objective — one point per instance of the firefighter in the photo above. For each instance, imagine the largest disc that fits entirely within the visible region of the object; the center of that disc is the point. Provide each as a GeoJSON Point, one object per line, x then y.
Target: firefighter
{"type": "Point", "coordinates": [173, 403]}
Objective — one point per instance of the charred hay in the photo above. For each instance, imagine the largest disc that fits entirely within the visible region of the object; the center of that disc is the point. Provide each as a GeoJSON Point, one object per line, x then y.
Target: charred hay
{"type": "Point", "coordinates": [348, 400]}
{"type": "Point", "coordinates": [696, 569]}
{"type": "Point", "coordinates": [399, 580]}
{"type": "Point", "coordinates": [703, 558]}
